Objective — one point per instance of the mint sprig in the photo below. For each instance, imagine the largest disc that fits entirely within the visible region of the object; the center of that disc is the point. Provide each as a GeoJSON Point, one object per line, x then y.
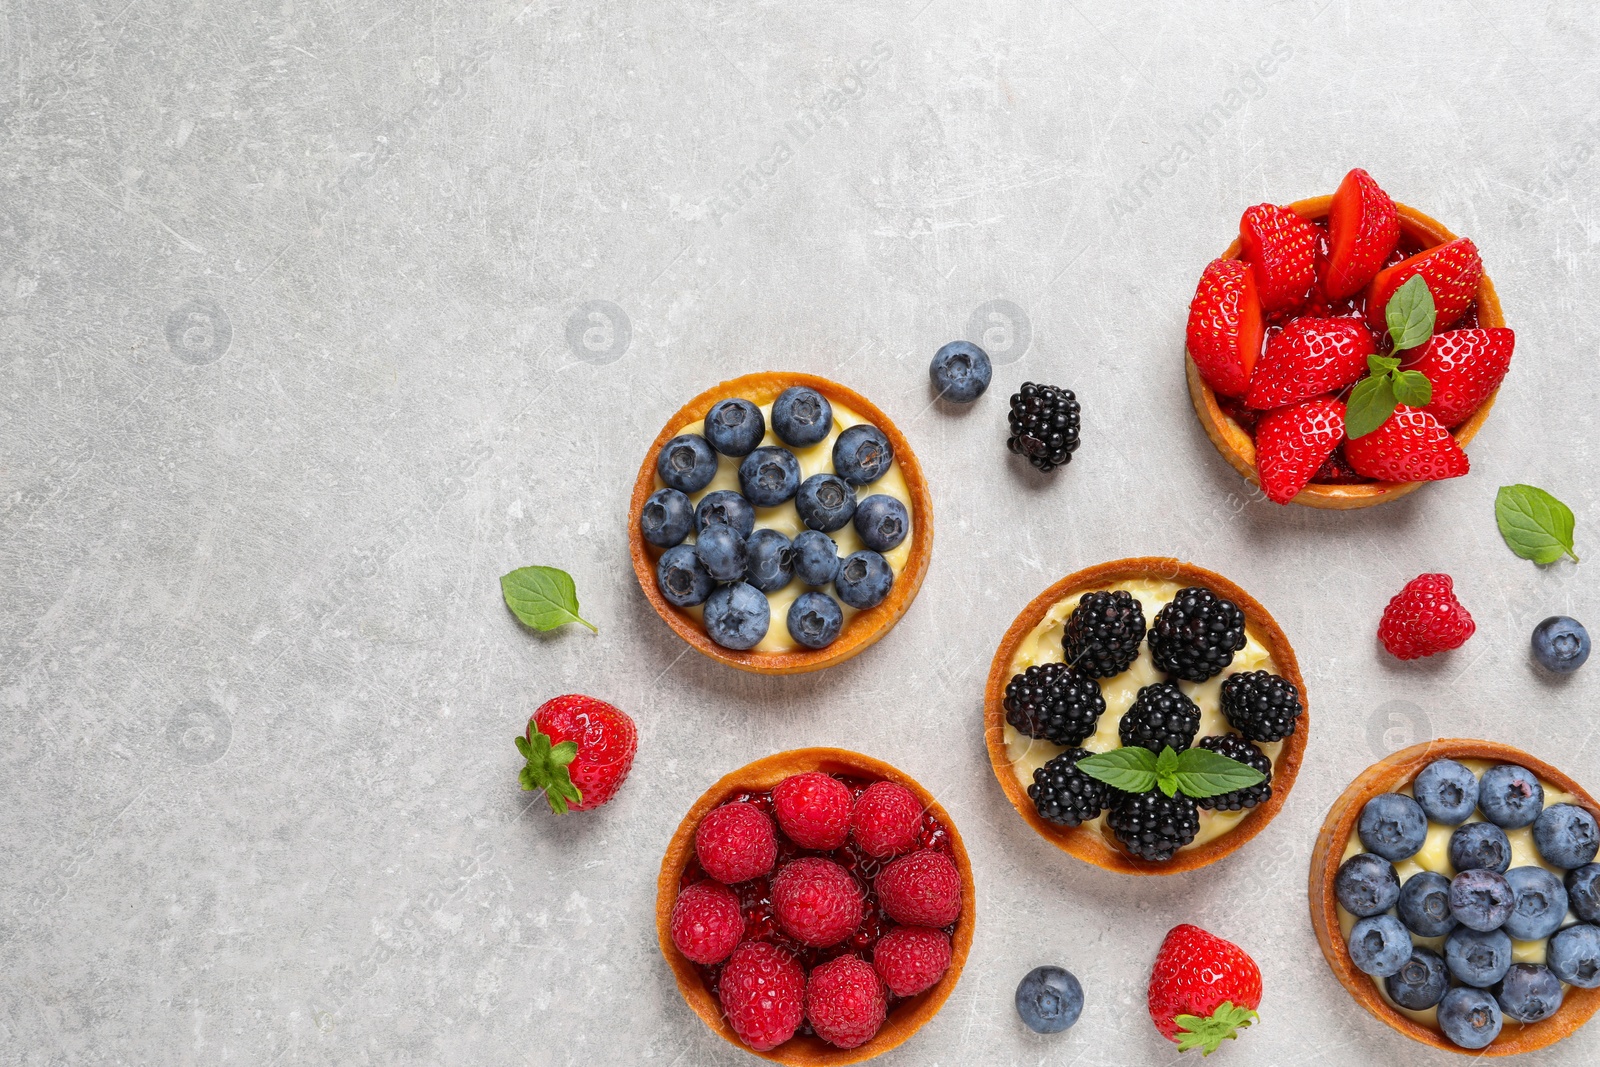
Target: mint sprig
{"type": "Point", "coordinates": [1196, 772]}
{"type": "Point", "coordinates": [1410, 316]}
{"type": "Point", "coordinates": [1535, 524]}
{"type": "Point", "coordinates": [542, 597]}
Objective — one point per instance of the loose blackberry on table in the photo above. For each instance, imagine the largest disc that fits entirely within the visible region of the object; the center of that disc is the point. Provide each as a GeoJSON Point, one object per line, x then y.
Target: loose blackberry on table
{"type": "Point", "coordinates": [1044, 425]}
{"type": "Point", "coordinates": [1102, 635]}
{"type": "Point", "coordinates": [1261, 705]}
{"type": "Point", "coordinates": [1196, 635]}
{"type": "Point", "coordinates": [1054, 702]}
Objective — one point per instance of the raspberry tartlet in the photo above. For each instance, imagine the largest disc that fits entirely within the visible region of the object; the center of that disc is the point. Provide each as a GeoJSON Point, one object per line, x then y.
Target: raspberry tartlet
{"type": "Point", "coordinates": [1289, 345]}
{"type": "Point", "coordinates": [780, 523]}
{"type": "Point", "coordinates": [1469, 866]}
{"type": "Point", "coordinates": [816, 956]}
{"type": "Point", "coordinates": [1145, 654]}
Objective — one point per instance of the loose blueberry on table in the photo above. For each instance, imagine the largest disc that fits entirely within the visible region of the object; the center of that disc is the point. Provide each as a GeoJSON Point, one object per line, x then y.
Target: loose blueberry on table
{"type": "Point", "coordinates": [1049, 999]}
{"type": "Point", "coordinates": [960, 371]}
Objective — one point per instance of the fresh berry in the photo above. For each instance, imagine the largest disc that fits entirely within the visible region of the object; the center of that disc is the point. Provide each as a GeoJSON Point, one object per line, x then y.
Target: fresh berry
{"type": "Point", "coordinates": [682, 578]}
{"type": "Point", "coordinates": [1538, 906]}
{"type": "Point", "coordinates": [724, 507]}
{"type": "Point", "coordinates": [1510, 796]}
{"type": "Point", "coordinates": [1161, 716]}
{"type": "Point", "coordinates": [666, 518]}
{"type": "Point", "coordinates": [801, 416]}
{"type": "Point", "coordinates": [1282, 246]}
{"type": "Point", "coordinates": [864, 579]}
{"type": "Point", "coordinates": [1464, 367]}
{"type": "Point", "coordinates": [1424, 905]}
{"type": "Point", "coordinates": [737, 616]}
{"type": "Point", "coordinates": [1366, 885]}
{"type": "Point", "coordinates": [887, 820]}
{"type": "Point", "coordinates": [762, 990]}
{"type": "Point", "coordinates": [735, 427]}
{"type": "Point", "coordinates": [1529, 993]}
{"type": "Point", "coordinates": [1225, 329]}
{"type": "Point", "coordinates": [816, 557]}
{"type": "Point", "coordinates": [1063, 794]}
{"type": "Point", "coordinates": [1470, 1017]}
{"type": "Point", "coordinates": [1153, 826]}
{"type": "Point", "coordinates": [862, 454]}
{"type": "Point", "coordinates": [1336, 470]}
{"type": "Point", "coordinates": [735, 843]}
{"type": "Point", "coordinates": [1421, 982]}
{"type": "Point", "coordinates": [1195, 636]}
{"type": "Point", "coordinates": [707, 924]}
{"type": "Point", "coordinates": [816, 901]}
{"type": "Point", "coordinates": [769, 560]}
{"type": "Point", "coordinates": [960, 371]}
{"type": "Point", "coordinates": [882, 521]}
{"type": "Point", "coordinates": [1410, 446]}
{"type": "Point", "coordinates": [1363, 229]}
{"type": "Point", "coordinates": [686, 463]}
{"type": "Point", "coordinates": [813, 809]}
{"type": "Point", "coordinates": [1213, 981]}
{"type": "Point", "coordinates": [921, 889]}
{"type": "Point", "coordinates": [1424, 618]}
{"type": "Point", "coordinates": [825, 502]}
{"type": "Point", "coordinates": [1054, 702]}
{"type": "Point", "coordinates": [1447, 791]}
{"type": "Point", "coordinates": [1583, 892]}
{"type": "Point", "coordinates": [815, 619]}
{"type": "Point", "coordinates": [1044, 424]}
{"type": "Point", "coordinates": [1566, 836]}
{"type": "Point", "coordinates": [1451, 272]}
{"type": "Point", "coordinates": [846, 1002]}
{"type": "Point", "coordinates": [1481, 900]}
{"type": "Point", "coordinates": [1261, 705]}
{"type": "Point", "coordinates": [1392, 825]}
{"type": "Point", "coordinates": [578, 750]}
{"type": "Point", "coordinates": [1379, 945]}
{"type": "Point", "coordinates": [1049, 1000]}
{"type": "Point", "coordinates": [1480, 846]}
{"type": "Point", "coordinates": [1240, 751]}
{"type": "Point", "coordinates": [1560, 644]}
{"type": "Point", "coordinates": [722, 552]}
{"type": "Point", "coordinates": [1102, 635]}
{"type": "Point", "coordinates": [1574, 956]}
{"type": "Point", "coordinates": [769, 476]}
{"type": "Point", "coordinates": [1294, 443]}
{"type": "Point", "coordinates": [1478, 958]}
{"type": "Point", "coordinates": [1310, 357]}
{"type": "Point", "coordinates": [911, 959]}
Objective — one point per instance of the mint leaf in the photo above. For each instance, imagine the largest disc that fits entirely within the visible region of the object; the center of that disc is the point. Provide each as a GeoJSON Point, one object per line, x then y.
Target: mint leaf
{"type": "Point", "coordinates": [1131, 769]}
{"type": "Point", "coordinates": [1381, 365]}
{"type": "Point", "coordinates": [1202, 773]}
{"type": "Point", "coordinates": [1412, 388]}
{"type": "Point", "coordinates": [1372, 401]}
{"type": "Point", "coordinates": [1410, 314]}
{"type": "Point", "coordinates": [1167, 771]}
{"type": "Point", "coordinates": [542, 597]}
{"type": "Point", "coordinates": [1535, 524]}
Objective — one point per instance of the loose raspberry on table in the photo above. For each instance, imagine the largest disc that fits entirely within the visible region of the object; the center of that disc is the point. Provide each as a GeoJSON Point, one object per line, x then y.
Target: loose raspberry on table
{"type": "Point", "coordinates": [735, 843]}
{"type": "Point", "coordinates": [886, 820]}
{"type": "Point", "coordinates": [846, 1002]}
{"type": "Point", "coordinates": [816, 901]}
{"type": "Point", "coordinates": [706, 922]}
{"type": "Point", "coordinates": [762, 990]}
{"type": "Point", "coordinates": [911, 959]}
{"type": "Point", "coordinates": [813, 809]}
{"type": "Point", "coordinates": [922, 889]}
{"type": "Point", "coordinates": [1425, 617]}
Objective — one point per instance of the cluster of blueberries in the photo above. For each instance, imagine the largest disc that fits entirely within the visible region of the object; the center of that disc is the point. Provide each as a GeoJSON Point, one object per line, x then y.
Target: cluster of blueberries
{"type": "Point", "coordinates": [731, 565]}
{"type": "Point", "coordinates": [1483, 909]}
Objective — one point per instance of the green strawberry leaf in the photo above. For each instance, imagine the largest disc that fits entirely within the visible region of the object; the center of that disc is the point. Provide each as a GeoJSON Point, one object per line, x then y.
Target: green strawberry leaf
{"type": "Point", "coordinates": [1412, 388]}
{"type": "Point", "coordinates": [542, 597]}
{"type": "Point", "coordinates": [1202, 773]}
{"type": "Point", "coordinates": [1410, 314]}
{"type": "Point", "coordinates": [1372, 401]}
{"type": "Point", "coordinates": [1167, 771]}
{"type": "Point", "coordinates": [1131, 769]}
{"type": "Point", "coordinates": [1207, 1033]}
{"type": "Point", "coordinates": [546, 769]}
{"type": "Point", "coordinates": [1535, 524]}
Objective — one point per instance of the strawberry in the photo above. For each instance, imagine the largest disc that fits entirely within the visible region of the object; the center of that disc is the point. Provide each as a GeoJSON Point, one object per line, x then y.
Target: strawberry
{"type": "Point", "coordinates": [1465, 366]}
{"type": "Point", "coordinates": [1224, 332]}
{"type": "Point", "coordinates": [1411, 446]}
{"type": "Point", "coordinates": [578, 750]}
{"type": "Point", "coordinates": [1282, 246]}
{"type": "Point", "coordinates": [1425, 617]}
{"type": "Point", "coordinates": [1310, 357]}
{"type": "Point", "coordinates": [1202, 989]}
{"type": "Point", "coordinates": [1293, 443]}
{"type": "Point", "coordinates": [1451, 271]}
{"type": "Point", "coordinates": [762, 990]}
{"type": "Point", "coordinates": [1363, 228]}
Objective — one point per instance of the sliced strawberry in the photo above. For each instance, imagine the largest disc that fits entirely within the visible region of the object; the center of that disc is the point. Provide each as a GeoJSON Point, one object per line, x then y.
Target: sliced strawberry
{"type": "Point", "coordinates": [1224, 331]}
{"type": "Point", "coordinates": [1292, 443]}
{"type": "Point", "coordinates": [1283, 248]}
{"type": "Point", "coordinates": [1465, 366]}
{"type": "Point", "coordinates": [1412, 446]}
{"type": "Point", "coordinates": [1310, 357]}
{"type": "Point", "coordinates": [1451, 270]}
{"type": "Point", "coordinates": [1363, 228]}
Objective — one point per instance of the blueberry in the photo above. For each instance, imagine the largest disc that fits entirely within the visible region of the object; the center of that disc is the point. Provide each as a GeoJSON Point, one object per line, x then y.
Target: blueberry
{"type": "Point", "coordinates": [666, 518]}
{"type": "Point", "coordinates": [687, 463]}
{"type": "Point", "coordinates": [1529, 993]}
{"type": "Point", "coordinates": [735, 427]}
{"type": "Point", "coordinates": [1583, 892]}
{"type": "Point", "coordinates": [769, 561]}
{"type": "Point", "coordinates": [737, 616]}
{"type": "Point", "coordinates": [1477, 958]}
{"type": "Point", "coordinates": [864, 579]}
{"type": "Point", "coordinates": [815, 619]}
{"type": "Point", "coordinates": [825, 502]}
{"type": "Point", "coordinates": [1379, 945]}
{"type": "Point", "coordinates": [882, 521]}
{"type": "Point", "coordinates": [1480, 846]}
{"type": "Point", "coordinates": [801, 416]}
{"type": "Point", "coordinates": [1566, 836]}
{"type": "Point", "coordinates": [1539, 903]}
{"type": "Point", "coordinates": [816, 558]}
{"type": "Point", "coordinates": [1447, 791]}
{"type": "Point", "coordinates": [1481, 900]}
{"type": "Point", "coordinates": [862, 454]}
{"type": "Point", "coordinates": [1049, 1000]}
{"type": "Point", "coordinates": [1560, 644]}
{"type": "Point", "coordinates": [725, 508]}
{"type": "Point", "coordinates": [769, 476]}
{"type": "Point", "coordinates": [1366, 885]}
{"type": "Point", "coordinates": [723, 553]}
{"type": "Point", "coordinates": [1470, 1017]}
{"type": "Point", "coordinates": [1421, 982]}
{"type": "Point", "coordinates": [1510, 796]}
{"type": "Point", "coordinates": [1393, 826]}
{"type": "Point", "coordinates": [1424, 904]}
{"type": "Point", "coordinates": [1574, 956]}
{"type": "Point", "coordinates": [960, 371]}
{"type": "Point", "coordinates": [682, 578]}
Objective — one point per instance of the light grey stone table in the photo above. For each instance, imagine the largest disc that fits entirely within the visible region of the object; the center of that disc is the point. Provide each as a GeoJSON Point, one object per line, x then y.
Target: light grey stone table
{"type": "Point", "coordinates": [316, 317]}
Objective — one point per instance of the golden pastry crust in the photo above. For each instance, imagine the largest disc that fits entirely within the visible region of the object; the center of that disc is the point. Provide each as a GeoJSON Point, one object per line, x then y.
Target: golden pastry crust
{"type": "Point", "coordinates": [1386, 776]}
{"type": "Point", "coordinates": [865, 627]}
{"type": "Point", "coordinates": [907, 1018]}
{"type": "Point", "coordinates": [1239, 448]}
{"type": "Point", "coordinates": [1084, 842]}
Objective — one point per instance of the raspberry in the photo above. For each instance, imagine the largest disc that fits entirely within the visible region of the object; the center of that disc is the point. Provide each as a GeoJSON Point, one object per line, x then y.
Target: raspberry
{"type": "Point", "coordinates": [922, 889]}
{"type": "Point", "coordinates": [735, 843]}
{"type": "Point", "coordinates": [813, 809]}
{"type": "Point", "coordinates": [706, 922]}
{"type": "Point", "coordinates": [762, 990]}
{"type": "Point", "coordinates": [887, 819]}
{"type": "Point", "coordinates": [846, 1002]}
{"type": "Point", "coordinates": [910, 959]}
{"type": "Point", "coordinates": [1423, 618]}
{"type": "Point", "coordinates": [817, 901]}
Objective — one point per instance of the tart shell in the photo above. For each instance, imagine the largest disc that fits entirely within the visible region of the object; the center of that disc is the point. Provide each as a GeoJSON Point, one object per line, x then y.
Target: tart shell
{"type": "Point", "coordinates": [1388, 775]}
{"type": "Point", "coordinates": [864, 627]}
{"type": "Point", "coordinates": [1239, 448]}
{"type": "Point", "coordinates": [1086, 843]}
{"type": "Point", "coordinates": [908, 1017]}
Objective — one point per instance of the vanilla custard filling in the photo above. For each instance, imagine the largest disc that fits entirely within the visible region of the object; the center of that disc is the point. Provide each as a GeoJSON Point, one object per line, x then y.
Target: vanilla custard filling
{"type": "Point", "coordinates": [1043, 645]}
{"type": "Point", "coordinates": [785, 518]}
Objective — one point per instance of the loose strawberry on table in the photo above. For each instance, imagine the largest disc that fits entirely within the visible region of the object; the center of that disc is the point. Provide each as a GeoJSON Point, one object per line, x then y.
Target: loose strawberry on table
{"type": "Point", "coordinates": [1203, 990]}
{"type": "Point", "coordinates": [578, 750]}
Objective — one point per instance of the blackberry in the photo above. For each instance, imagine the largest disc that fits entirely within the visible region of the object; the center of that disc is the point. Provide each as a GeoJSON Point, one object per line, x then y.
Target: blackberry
{"type": "Point", "coordinates": [1102, 635]}
{"type": "Point", "coordinates": [1160, 716]}
{"type": "Point", "coordinates": [1238, 749]}
{"type": "Point", "coordinates": [1044, 425]}
{"type": "Point", "coordinates": [1196, 635]}
{"type": "Point", "coordinates": [1063, 794]}
{"type": "Point", "coordinates": [1153, 825]}
{"type": "Point", "coordinates": [1055, 702]}
{"type": "Point", "coordinates": [1260, 705]}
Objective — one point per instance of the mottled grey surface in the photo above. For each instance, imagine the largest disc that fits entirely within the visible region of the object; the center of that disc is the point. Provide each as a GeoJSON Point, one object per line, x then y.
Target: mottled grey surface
{"type": "Point", "coordinates": [317, 316]}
